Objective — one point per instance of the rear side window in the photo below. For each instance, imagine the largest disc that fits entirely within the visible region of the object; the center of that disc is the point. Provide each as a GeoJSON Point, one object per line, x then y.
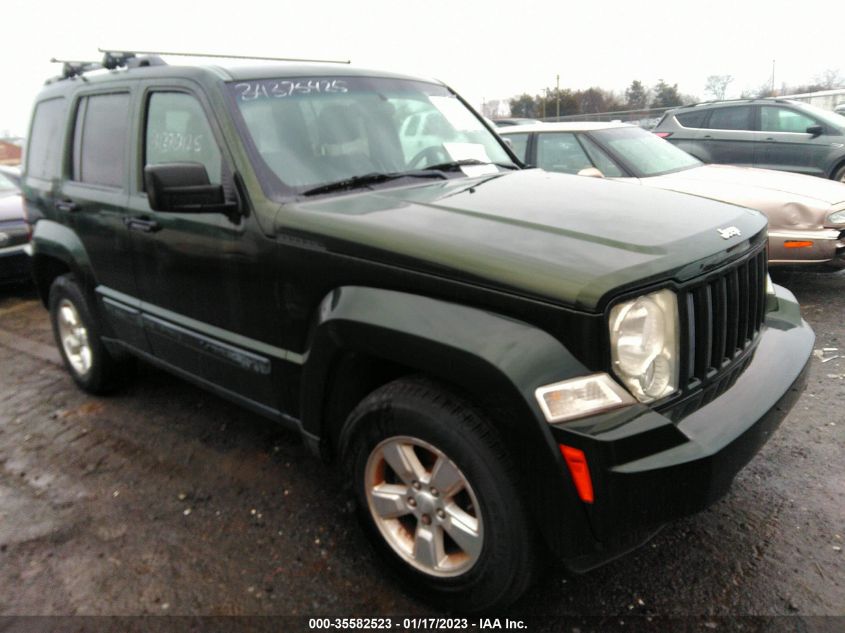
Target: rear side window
{"type": "Point", "coordinates": [519, 144]}
{"type": "Point", "coordinates": [734, 118]}
{"type": "Point", "coordinates": [692, 119]}
{"type": "Point", "coordinates": [178, 132]}
{"type": "Point", "coordinates": [46, 139]}
{"type": "Point", "coordinates": [99, 148]}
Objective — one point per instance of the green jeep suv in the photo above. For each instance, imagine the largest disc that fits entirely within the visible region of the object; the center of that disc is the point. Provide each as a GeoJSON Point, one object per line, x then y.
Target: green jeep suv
{"type": "Point", "coordinates": [503, 362]}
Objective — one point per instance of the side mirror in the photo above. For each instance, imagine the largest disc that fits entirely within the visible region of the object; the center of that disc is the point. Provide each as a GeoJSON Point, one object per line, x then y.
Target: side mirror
{"type": "Point", "coordinates": [508, 142]}
{"type": "Point", "coordinates": [183, 188]}
{"type": "Point", "coordinates": [815, 130]}
{"type": "Point", "coordinates": [591, 172]}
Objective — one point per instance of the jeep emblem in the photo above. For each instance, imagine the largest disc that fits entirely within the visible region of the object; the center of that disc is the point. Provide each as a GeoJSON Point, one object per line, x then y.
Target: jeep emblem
{"type": "Point", "coordinates": [729, 232]}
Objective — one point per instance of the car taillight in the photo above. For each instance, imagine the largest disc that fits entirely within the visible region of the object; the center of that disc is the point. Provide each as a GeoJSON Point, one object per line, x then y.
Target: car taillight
{"type": "Point", "coordinates": [663, 134]}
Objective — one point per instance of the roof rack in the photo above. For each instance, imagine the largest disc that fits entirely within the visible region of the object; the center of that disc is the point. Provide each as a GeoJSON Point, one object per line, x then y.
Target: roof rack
{"type": "Point", "coordinates": [221, 56]}
{"type": "Point", "coordinates": [111, 61]}
{"type": "Point", "coordinates": [738, 100]}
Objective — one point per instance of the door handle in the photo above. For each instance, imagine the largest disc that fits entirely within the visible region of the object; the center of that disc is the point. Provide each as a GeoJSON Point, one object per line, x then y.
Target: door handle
{"type": "Point", "coordinates": [707, 136]}
{"type": "Point", "coordinates": [142, 224]}
{"type": "Point", "coordinates": [66, 205]}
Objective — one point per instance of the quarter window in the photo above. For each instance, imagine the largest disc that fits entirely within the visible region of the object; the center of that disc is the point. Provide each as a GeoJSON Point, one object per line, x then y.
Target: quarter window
{"type": "Point", "coordinates": [99, 148]}
{"type": "Point", "coordinates": [692, 119]}
{"type": "Point", "coordinates": [45, 139]}
{"type": "Point", "coordinates": [776, 119]}
{"type": "Point", "coordinates": [733, 118]}
{"type": "Point", "coordinates": [178, 132]}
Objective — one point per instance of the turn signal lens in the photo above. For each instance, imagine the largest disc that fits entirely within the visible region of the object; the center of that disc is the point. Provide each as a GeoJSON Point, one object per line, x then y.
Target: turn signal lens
{"type": "Point", "coordinates": [576, 461]}
{"type": "Point", "coordinates": [798, 244]}
{"type": "Point", "coordinates": [663, 134]}
{"type": "Point", "coordinates": [581, 396]}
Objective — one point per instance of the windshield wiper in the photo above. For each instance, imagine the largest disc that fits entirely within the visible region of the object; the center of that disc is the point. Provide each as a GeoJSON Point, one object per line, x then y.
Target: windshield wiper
{"type": "Point", "coordinates": [370, 179]}
{"type": "Point", "coordinates": [455, 165]}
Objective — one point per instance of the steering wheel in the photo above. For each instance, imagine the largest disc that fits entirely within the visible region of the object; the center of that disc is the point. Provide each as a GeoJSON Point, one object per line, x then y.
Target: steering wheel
{"type": "Point", "coordinates": [432, 155]}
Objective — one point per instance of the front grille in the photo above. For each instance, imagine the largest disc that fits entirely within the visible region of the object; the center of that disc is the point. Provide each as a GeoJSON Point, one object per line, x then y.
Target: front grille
{"type": "Point", "coordinates": [721, 318]}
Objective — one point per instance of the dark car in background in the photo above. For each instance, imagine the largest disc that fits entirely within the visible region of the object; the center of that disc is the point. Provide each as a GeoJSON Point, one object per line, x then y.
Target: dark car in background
{"type": "Point", "coordinates": [768, 133]}
{"type": "Point", "coordinates": [14, 234]}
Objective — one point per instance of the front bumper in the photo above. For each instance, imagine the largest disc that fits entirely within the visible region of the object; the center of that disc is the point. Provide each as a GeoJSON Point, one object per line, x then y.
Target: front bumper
{"type": "Point", "coordinates": [15, 263]}
{"type": "Point", "coordinates": [827, 246]}
{"type": "Point", "coordinates": [648, 470]}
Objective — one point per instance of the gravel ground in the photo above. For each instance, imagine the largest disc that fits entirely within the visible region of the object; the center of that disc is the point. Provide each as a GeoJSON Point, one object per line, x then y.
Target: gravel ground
{"type": "Point", "coordinates": [164, 499]}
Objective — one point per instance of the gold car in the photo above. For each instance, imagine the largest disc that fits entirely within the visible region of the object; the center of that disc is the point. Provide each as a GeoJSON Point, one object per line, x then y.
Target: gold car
{"type": "Point", "coordinates": [806, 214]}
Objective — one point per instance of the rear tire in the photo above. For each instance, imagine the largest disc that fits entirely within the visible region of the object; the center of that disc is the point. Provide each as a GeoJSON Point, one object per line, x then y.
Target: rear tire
{"type": "Point", "coordinates": [77, 335]}
{"type": "Point", "coordinates": [437, 495]}
{"type": "Point", "coordinates": [839, 174]}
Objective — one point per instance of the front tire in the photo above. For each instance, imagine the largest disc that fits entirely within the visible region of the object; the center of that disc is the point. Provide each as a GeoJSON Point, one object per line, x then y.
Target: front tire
{"type": "Point", "coordinates": [77, 335]}
{"type": "Point", "coordinates": [839, 174]}
{"type": "Point", "coordinates": [438, 497]}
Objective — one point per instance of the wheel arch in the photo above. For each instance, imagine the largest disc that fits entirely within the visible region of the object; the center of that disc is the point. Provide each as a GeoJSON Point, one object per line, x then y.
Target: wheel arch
{"type": "Point", "coordinates": [57, 250]}
{"type": "Point", "coordinates": [370, 336]}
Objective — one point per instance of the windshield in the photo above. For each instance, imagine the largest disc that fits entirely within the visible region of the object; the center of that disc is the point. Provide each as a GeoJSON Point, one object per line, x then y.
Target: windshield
{"type": "Point", "coordinates": [643, 152]}
{"type": "Point", "coordinates": [307, 133]}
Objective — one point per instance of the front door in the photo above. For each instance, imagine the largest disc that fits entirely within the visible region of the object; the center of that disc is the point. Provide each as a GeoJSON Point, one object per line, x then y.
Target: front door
{"type": "Point", "coordinates": [785, 143]}
{"type": "Point", "coordinates": [201, 276]}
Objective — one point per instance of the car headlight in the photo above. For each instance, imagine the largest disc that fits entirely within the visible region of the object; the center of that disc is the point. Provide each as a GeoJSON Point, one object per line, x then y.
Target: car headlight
{"type": "Point", "coordinates": [837, 218]}
{"type": "Point", "coordinates": [644, 344]}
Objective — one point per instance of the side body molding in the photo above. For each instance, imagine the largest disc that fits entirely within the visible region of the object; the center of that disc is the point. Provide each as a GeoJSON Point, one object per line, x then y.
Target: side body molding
{"type": "Point", "coordinates": [497, 361]}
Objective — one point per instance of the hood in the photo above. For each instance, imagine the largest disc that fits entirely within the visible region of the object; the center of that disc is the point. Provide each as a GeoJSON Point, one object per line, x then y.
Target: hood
{"type": "Point", "coordinates": [11, 207]}
{"type": "Point", "coordinates": [750, 186]}
{"type": "Point", "coordinates": [568, 239]}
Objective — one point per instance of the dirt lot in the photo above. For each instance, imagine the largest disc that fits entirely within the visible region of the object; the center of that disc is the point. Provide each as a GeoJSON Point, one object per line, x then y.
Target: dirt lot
{"type": "Point", "coordinates": [164, 499]}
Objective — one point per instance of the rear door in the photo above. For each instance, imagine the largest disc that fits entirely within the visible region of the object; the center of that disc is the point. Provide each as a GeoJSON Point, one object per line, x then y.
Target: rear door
{"type": "Point", "coordinates": [729, 136]}
{"type": "Point", "coordinates": [785, 143]}
{"type": "Point", "coordinates": [93, 201]}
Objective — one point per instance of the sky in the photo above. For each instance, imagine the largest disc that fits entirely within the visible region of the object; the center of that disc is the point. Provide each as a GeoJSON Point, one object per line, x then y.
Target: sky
{"type": "Point", "coordinates": [484, 50]}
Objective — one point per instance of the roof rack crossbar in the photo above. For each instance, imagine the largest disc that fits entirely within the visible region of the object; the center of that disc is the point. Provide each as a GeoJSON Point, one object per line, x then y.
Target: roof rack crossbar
{"type": "Point", "coordinates": [221, 56]}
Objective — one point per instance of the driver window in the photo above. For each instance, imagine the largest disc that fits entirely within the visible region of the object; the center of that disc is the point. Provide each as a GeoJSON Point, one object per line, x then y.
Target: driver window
{"type": "Point", "coordinates": [561, 152]}
{"type": "Point", "coordinates": [178, 132]}
{"type": "Point", "coordinates": [776, 119]}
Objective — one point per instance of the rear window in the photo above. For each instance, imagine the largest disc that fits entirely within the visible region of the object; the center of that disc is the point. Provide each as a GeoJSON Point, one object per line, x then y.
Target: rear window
{"type": "Point", "coordinates": [692, 119]}
{"type": "Point", "coordinates": [45, 139]}
{"type": "Point", "coordinates": [100, 139]}
{"type": "Point", "coordinates": [734, 118]}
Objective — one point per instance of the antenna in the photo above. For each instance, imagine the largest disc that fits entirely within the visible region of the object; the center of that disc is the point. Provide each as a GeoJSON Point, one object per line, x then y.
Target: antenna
{"type": "Point", "coordinates": [129, 54]}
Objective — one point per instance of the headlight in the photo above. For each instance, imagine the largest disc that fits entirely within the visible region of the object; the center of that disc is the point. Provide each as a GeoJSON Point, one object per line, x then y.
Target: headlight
{"type": "Point", "coordinates": [644, 344]}
{"type": "Point", "coordinates": [837, 218]}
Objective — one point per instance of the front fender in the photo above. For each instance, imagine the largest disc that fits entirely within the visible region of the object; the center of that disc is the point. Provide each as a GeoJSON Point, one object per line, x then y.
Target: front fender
{"type": "Point", "coordinates": [496, 360]}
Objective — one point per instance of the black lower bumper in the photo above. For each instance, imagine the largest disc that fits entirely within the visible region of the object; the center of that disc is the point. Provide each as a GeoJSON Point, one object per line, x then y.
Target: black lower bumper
{"type": "Point", "coordinates": [648, 470]}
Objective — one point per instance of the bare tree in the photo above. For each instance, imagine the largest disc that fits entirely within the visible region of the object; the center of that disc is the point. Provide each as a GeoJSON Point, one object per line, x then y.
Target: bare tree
{"type": "Point", "coordinates": [829, 79]}
{"type": "Point", "coordinates": [717, 85]}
